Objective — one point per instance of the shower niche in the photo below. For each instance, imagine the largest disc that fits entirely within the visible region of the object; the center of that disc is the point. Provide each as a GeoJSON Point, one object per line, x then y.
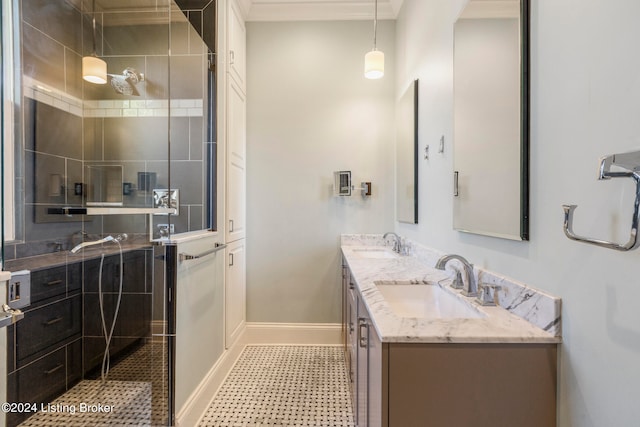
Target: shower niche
{"type": "Point", "coordinates": [104, 185]}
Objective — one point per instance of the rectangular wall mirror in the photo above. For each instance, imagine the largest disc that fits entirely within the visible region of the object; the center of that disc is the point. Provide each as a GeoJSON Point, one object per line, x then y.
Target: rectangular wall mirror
{"type": "Point", "coordinates": [491, 119]}
{"type": "Point", "coordinates": [407, 156]}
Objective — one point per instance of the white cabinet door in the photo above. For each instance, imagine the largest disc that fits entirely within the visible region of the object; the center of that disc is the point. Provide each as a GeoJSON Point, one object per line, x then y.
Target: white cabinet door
{"type": "Point", "coordinates": [235, 292]}
{"type": "Point", "coordinates": [237, 35]}
{"type": "Point", "coordinates": [236, 164]}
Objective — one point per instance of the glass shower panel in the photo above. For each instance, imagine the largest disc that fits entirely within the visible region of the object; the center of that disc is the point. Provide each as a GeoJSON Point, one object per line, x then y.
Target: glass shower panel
{"type": "Point", "coordinates": [89, 160]}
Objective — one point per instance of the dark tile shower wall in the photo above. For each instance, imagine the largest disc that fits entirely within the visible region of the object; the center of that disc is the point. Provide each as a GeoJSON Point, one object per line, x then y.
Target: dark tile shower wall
{"type": "Point", "coordinates": [60, 144]}
{"type": "Point", "coordinates": [134, 315]}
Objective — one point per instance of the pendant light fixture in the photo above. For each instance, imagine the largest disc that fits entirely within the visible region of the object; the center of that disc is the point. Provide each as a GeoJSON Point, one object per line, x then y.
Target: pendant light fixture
{"type": "Point", "coordinates": [94, 69]}
{"type": "Point", "coordinates": [374, 60]}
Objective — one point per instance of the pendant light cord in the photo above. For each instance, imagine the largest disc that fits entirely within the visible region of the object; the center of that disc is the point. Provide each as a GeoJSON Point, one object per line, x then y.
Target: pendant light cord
{"type": "Point", "coordinates": [95, 53]}
{"type": "Point", "coordinates": [375, 25]}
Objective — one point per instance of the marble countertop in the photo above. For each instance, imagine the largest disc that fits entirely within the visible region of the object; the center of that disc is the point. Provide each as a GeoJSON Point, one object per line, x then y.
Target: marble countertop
{"type": "Point", "coordinates": [497, 326]}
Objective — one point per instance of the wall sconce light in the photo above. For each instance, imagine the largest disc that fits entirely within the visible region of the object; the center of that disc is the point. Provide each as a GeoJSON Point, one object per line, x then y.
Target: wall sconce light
{"type": "Point", "coordinates": [94, 69]}
{"type": "Point", "coordinates": [374, 60]}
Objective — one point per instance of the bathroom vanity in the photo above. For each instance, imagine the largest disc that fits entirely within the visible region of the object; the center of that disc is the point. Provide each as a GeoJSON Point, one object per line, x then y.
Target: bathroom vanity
{"type": "Point", "coordinates": [464, 365]}
{"type": "Point", "coordinates": [55, 345]}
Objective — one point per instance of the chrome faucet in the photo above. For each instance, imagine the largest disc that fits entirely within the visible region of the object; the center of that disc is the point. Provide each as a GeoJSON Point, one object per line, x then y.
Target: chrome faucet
{"type": "Point", "coordinates": [396, 243]}
{"type": "Point", "coordinates": [470, 287]}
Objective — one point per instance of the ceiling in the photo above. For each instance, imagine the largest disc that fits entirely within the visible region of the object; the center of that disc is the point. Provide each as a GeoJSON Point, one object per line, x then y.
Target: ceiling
{"type": "Point", "coordinates": [318, 10]}
{"type": "Point", "coordinates": [266, 10]}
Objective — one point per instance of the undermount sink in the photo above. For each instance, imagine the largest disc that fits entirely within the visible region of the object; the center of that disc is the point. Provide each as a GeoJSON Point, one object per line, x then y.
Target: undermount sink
{"type": "Point", "coordinates": [378, 253]}
{"type": "Point", "coordinates": [425, 301]}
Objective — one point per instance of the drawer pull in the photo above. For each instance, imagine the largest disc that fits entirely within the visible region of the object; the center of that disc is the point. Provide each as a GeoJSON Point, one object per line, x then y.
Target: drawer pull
{"type": "Point", "coordinates": [54, 282]}
{"type": "Point", "coordinates": [53, 321]}
{"type": "Point", "coordinates": [363, 337]}
{"type": "Point", "coordinates": [56, 369]}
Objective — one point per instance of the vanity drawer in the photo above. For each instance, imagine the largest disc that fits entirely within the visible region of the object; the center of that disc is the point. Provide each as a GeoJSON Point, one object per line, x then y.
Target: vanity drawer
{"type": "Point", "coordinates": [54, 281]}
{"type": "Point", "coordinates": [38, 382]}
{"type": "Point", "coordinates": [48, 325]}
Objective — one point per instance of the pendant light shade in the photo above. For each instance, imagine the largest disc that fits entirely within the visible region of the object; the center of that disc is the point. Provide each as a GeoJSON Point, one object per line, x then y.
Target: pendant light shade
{"type": "Point", "coordinates": [374, 60]}
{"type": "Point", "coordinates": [94, 70]}
{"type": "Point", "coordinates": [374, 64]}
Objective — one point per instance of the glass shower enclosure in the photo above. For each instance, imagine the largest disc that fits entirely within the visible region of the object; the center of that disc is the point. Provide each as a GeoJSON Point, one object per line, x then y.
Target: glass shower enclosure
{"type": "Point", "coordinates": [112, 132]}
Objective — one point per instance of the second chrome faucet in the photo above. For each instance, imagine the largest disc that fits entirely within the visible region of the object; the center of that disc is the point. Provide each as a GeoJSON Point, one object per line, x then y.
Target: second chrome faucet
{"type": "Point", "coordinates": [470, 287]}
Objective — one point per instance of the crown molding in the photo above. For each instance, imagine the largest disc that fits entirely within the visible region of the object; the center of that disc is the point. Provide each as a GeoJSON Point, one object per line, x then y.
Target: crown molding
{"type": "Point", "coordinates": [318, 10]}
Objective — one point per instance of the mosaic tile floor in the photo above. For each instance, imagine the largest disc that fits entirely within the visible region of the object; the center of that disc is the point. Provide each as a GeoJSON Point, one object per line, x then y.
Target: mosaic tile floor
{"type": "Point", "coordinates": [284, 386]}
{"type": "Point", "coordinates": [147, 364]}
{"type": "Point", "coordinates": [122, 404]}
{"type": "Point", "coordinates": [135, 389]}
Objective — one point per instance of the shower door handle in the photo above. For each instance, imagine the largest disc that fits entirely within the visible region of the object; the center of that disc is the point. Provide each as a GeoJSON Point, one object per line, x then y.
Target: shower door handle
{"type": "Point", "coordinates": [186, 257]}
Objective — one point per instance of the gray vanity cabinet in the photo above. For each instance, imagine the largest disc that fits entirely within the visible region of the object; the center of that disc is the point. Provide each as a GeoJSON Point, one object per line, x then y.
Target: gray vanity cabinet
{"type": "Point", "coordinates": [60, 338]}
{"type": "Point", "coordinates": [363, 357]}
{"type": "Point", "coordinates": [446, 384]}
{"type": "Point", "coordinates": [44, 348]}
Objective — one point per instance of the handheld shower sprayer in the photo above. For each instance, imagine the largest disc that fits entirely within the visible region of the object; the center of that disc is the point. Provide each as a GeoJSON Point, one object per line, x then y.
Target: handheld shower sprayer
{"type": "Point", "coordinates": [106, 330]}
{"type": "Point", "coordinates": [119, 238]}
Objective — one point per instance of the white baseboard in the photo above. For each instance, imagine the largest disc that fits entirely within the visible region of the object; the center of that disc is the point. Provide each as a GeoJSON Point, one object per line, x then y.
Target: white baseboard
{"type": "Point", "coordinates": [254, 333]}
{"type": "Point", "coordinates": [293, 333]}
{"type": "Point", "coordinates": [200, 400]}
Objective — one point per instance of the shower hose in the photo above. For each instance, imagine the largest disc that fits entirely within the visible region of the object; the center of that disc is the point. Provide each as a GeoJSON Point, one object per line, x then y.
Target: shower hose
{"type": "Point", "coordinates": [108, 334]}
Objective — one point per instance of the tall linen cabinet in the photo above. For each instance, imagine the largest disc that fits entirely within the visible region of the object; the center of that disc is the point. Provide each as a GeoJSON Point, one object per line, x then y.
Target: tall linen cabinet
{"type": "Point", "coordinates": [235, 197]}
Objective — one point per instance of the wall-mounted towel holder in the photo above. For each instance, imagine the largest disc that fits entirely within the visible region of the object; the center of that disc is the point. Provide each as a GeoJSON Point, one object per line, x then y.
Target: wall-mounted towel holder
{"type": "Point", "coordinates": [630, 162]}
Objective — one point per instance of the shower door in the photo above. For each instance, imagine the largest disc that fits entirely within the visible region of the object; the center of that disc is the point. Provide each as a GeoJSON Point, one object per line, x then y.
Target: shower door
{"type": "Point", "coordinates": [104, 173]}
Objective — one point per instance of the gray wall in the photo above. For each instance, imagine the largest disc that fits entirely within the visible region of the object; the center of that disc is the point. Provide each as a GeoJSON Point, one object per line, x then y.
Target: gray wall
{"type": "Point", "coordinates": [585, 90]}
{"type": "Point", "coordinates": [310, 112]}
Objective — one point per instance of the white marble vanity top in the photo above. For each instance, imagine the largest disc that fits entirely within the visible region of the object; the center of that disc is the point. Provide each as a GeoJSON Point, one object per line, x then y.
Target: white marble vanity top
{"type": "Point", "coordinates": [497, 325]}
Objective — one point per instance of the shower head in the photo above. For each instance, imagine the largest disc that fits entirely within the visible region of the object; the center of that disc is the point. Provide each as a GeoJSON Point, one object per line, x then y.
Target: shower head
{"type": "Point", "coordinates": [125, 83]}
{"type": "Point", "coordinates": [118, 238]}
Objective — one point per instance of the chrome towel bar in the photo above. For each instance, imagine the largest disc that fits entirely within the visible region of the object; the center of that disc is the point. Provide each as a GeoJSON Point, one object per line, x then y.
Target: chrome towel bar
{"type": "Point", "coordinates": [186, 257]}
{"type": "Point", "coordinates": [631, 163]}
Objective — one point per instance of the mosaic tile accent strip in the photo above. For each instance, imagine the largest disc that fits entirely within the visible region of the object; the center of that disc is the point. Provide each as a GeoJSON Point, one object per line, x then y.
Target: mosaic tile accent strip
{"type": "Point", "coordinates": [284, 386]}
{"type": "Point", "coordinates": [41, 92]}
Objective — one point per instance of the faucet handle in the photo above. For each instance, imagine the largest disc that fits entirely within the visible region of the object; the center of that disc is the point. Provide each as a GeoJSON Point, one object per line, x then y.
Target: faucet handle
{"type": "Point", "coordinates": [488, 293]}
